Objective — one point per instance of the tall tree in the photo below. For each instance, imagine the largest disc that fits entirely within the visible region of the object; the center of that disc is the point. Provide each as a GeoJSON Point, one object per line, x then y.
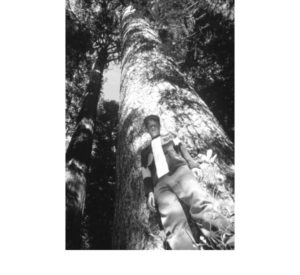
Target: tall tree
{"type": "Point", "coordinates": [199, 36]}
{"type": "Point", "coordinates": [151, 83]}
{"type": "Point", "coordinates": [96, 19]}
{"type": "Point", "coordinates": [101, 180]}
{"type": "Point", "coordinates": [79, 154]}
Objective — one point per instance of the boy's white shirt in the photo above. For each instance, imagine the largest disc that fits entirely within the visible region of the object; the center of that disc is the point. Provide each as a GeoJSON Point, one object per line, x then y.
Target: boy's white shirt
{"type": "Point", "coordinates": [159, 157]}
{"type": "Point", "coordinates": [176, 141]}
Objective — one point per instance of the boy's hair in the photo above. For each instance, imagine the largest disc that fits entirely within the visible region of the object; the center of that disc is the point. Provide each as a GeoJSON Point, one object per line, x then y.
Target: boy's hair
{"type": "Point", "coordinates": [151, 117]}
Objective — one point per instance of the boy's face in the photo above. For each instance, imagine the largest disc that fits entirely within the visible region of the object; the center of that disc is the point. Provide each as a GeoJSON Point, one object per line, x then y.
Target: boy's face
{"type": "Point", "coordinates": [153, 128]}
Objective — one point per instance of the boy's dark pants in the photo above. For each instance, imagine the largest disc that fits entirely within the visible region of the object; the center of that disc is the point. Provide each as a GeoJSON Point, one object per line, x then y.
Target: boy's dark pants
{"type": "Point", "coordinates": [182, 184]}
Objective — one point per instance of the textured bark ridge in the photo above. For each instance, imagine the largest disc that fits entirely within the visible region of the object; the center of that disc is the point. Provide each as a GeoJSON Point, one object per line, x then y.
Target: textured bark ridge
{"type": "Point", "coordinates": [152, 84]}
{"type": "Point", "coordinates": [78, 154]}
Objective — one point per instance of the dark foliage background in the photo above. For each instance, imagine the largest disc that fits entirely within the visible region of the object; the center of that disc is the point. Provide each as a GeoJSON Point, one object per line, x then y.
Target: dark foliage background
{"type": "Point", "coordinates": [102, 178]}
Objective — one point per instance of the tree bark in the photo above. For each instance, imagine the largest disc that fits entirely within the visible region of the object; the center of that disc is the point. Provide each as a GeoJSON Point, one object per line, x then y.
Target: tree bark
{"type": "Point", "coordinates": [78, 154]}
{"type": "Point", "coordinates": [152, 84]}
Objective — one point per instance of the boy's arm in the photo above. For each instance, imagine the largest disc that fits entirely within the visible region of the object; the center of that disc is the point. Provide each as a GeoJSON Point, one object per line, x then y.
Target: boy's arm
{"type": "Point", "coordinates": [147, 179]}
{"type": "Point", "coordinates": [186, 155]}
{"type": "Point", "coordinates": [146, 173]}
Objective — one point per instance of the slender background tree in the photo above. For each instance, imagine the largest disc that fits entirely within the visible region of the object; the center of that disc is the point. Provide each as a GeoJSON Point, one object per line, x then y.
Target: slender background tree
{"type": "Point", "coordinates": [94, 22]}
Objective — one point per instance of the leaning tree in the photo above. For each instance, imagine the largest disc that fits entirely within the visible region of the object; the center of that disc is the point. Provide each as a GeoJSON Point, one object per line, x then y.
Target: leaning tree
{"type": "Point", "coordinates": [151, 83]}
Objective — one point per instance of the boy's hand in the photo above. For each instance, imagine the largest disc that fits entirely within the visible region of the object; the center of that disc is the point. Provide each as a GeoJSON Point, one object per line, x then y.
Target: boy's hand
{"type": "Point", "coordinates": [197, 173]}
{"type": "Point", "coordinates": [151, 202]}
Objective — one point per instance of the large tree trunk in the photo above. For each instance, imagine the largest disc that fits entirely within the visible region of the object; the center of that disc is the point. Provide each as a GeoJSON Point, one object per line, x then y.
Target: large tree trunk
{"type": "Point", "coordinates": [152, 84]}
{"type": "Point", "coordinates": [78, 154]}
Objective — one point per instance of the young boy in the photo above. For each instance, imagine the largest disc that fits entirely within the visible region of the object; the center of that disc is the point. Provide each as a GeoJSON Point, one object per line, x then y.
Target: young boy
{"type": "Point", "coordinates": [168, 175]}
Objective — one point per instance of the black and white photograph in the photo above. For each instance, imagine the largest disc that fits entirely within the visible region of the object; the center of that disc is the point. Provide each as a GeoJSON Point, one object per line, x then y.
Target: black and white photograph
{"type": "Point", "coordinates": [150, 125]}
